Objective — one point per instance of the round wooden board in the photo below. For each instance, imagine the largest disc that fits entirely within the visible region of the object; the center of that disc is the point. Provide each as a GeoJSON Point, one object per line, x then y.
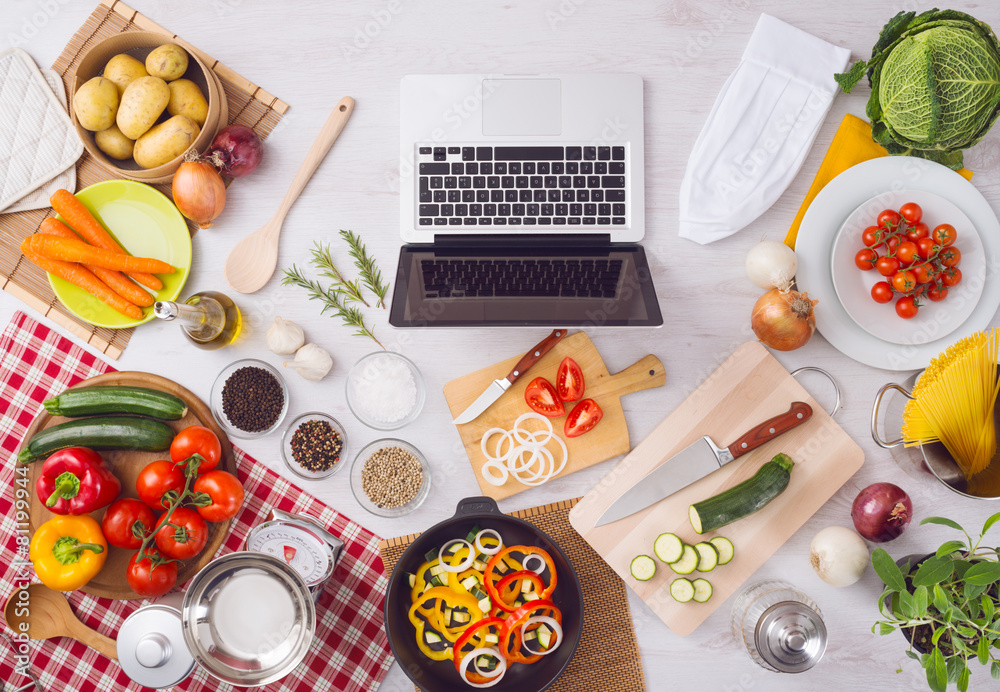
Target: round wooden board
{"type": "Point", "coordinates": [111, 581]}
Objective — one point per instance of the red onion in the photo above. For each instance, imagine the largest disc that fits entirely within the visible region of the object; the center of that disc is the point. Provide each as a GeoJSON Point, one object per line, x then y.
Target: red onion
{"type": "Point", "coordinates": [881, 512]}
{"type": "Point", "coordinates": [236, 151]}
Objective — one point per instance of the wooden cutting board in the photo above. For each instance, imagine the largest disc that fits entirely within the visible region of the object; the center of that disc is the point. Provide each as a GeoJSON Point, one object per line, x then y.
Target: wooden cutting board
{"type": "Point", "coordinates": [607, 440]}
{"type": "Point", "coordinates": [110, 582]}
{"type": "Point", "coordinates": [748, 388]}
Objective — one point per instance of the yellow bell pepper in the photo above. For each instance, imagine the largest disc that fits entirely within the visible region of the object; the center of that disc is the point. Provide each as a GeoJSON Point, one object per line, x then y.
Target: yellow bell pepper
{"type": "Point", "coordinates": [68, 551]}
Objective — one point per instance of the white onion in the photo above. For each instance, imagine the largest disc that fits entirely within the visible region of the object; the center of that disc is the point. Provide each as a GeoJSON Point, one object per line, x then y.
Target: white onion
{"type": "Point", "coordinates": [771, 264]}
{"type": "Point", "coordinates": [463, 668]}
{"type": "Point", "coordinates": [489, 551]}
{"type": "Point", "coordinates": [551, 622]}
{"type": "Point", "coordinates": [464, 564]}
{"type": "Point", "coordinates": [527, 457]}
{"type": "Point", "coordinates": [536, 556]}
{"type": "Point", "coordinates": [839, 555]}
{"type": "Point", "coordinates": [531, 415]}
{"type": "Point", "coordinates": [494, 472]}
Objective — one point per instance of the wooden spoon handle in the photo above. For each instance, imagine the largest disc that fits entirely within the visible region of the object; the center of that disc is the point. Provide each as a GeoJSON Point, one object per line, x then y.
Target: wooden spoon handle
{"type": "Point", "coordinates": [94, 639]}
{"type": "Point", "coordinates": [327, 136]}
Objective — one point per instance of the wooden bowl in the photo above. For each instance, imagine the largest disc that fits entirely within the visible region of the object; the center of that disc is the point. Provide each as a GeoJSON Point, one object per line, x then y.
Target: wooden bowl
{"type": "Point", "coordinates": [110, 582]}
{"type": "Point", "coordinates": [139, 44]}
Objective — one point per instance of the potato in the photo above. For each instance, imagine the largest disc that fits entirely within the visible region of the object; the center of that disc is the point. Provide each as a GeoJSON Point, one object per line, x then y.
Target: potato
{"type": "Point", "coordinates": [186, 99]}
{"type": "Point", "coordinates": [142, 103]}
{"type": "Point", "coordinates": [123, 69]}
{"type": "Point", "coordinates": [168, 62]}
{"type": "Point", "coordinates": [113, 143]}
{"type": "Point", "coordinates": [95, 104]}
{"type": "Point", "coordinates": [166, 141]}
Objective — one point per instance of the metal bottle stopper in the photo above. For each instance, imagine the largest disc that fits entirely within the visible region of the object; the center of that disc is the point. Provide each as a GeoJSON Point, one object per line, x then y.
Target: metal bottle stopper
{"type": "Point", "coordinates": [790, 637]}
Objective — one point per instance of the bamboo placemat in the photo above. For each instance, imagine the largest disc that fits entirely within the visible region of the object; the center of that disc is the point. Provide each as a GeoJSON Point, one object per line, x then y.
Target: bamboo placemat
{"type": "Point", "coordinates": [248, 105]}
{"type": "Point", "coordinates": [607, 657]}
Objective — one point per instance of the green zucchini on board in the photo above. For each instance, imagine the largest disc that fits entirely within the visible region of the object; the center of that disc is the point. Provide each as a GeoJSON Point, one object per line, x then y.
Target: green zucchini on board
{"type": "Point", "coordinates": [725, 548]}
{"type": "Point", "coordinates": [643, 568]}
{"type": "Point", "coordinates": [744, 498]}
{"type": "Point", "coordinates": [702, 590]}
{"type": "Point", "coordinates": [708, 556]}
{"type": "Point", "coordinates": [103, 432]}
{"type": "Point", "coordinates": [103, 400]}
{"type": "Point", "coordinates": [668, 547]}
{"type": "Point", "coordinates": [682, 590]}
{"type": "Point", "coordinates": [688, 562]}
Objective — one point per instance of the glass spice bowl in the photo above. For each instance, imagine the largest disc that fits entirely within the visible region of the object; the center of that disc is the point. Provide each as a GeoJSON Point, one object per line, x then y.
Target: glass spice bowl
{"type": "Point", "coordinates": [286, 446]}
{"type": "Point", "coordinates": [215, 401]}
{"type": "Point", "coordinates": [367, 369]}
{"type": "Point", "coordinates": [357, 486]}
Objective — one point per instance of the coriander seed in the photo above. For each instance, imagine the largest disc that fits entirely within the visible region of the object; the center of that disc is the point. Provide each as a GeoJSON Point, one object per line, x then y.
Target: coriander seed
{"type": "Point", "coordinates": [391, 477]}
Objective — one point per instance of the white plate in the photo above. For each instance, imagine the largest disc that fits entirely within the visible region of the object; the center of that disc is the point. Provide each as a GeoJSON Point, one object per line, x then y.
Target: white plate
{"type": "Point", "coordinates": [826, 214]}
{"type": "Point", "coordinates": [854, 286]}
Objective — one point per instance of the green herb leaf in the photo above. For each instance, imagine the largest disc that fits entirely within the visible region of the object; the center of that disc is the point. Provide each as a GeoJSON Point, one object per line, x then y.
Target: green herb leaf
{"type": "Point", "coordinates": [371, 277]}
{"type": "Point", "coordinates": [887, 570]}
{"type": "Point", "coordinates": [934, 571]}
{"type": "Point", "coordinates": [937, 672]}
{"type": "Point", "coordinates": [940, 599]}
{"type": "Point", "coordinates": [954, 666]}
{"type": "Point", "coordinates": [906, 605]}
{"type": "Point", "coordinates": [966, 632]}
{"type": "Point", "coordinates": [972, 592]}
{"type": "Point", "coordinates": [983, 650]}
{"type": "Point", "coordinates": [963, 679]}
{"type": "Point", "coordinates": [350, 316]}
{"type": "Point", "coordinates": [943, 522]}
{"type": "Point", "coordinates": [323, 261]}
{"type": "Point", "coordinates": [938, 633]}
{"type": "Point", "coordinates": [990, 522]}
{"type": "Point", "coordinates": [983, 573]}
{"type": "Point", "coordinates": [912, 655]}
{"type": "Point", "coordinates": [920, 600]}
{"type": "Point", "coordinates": [950, 547]}
{"type": "Point", "coordinates": [885, 628]}
{"type": "Point", "coordinates": [995, 670]}
{"type": "Point", "coordinates": [988, 608]}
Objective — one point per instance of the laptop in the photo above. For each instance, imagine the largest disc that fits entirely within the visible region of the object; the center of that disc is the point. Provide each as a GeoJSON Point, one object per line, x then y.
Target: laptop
{"type": "Point", "coordinates": [521, 202]}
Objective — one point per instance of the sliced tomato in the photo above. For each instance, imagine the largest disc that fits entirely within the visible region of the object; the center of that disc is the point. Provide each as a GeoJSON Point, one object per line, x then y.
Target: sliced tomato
{"type": "Point", "coordinates": [569, 380]}
{"type": "Point", "coordinates": [583, 418]}
{"type": "Point", "coordinates": [542, 398]}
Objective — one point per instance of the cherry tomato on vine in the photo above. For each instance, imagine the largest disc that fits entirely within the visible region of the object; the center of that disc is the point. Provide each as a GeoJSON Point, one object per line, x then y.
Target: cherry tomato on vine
{"type": "Point", "coordinates": [944, 235]}
{"type": "Point", "coordinates": [123, 519]}
{"type": "Point", "coordinates": [542, 398]}
{"type": "Point", "coordinates": [926, 247]}
{"type": "Point", "coordinates": [225, 492]}
{"type": "Point", "coordinates": [912, 212]}
{"type": "Point", "coordinates": [906, 307]}
{"type": "Point", "coordinates": [903, 281]}
{"type": "Point", "coordinates": [906, 252]}
{"type": "Point", "coordinates": [937, 293]}
{"type": "Point", "coordinates": [887, 266]}
{"type": "Point", "coordinates": [183, 536]}
{"type": "Point", "coordinates": [197, 439]}
{"type": "Point", "coordinates": [950, 256]}
{"type": "Point", "coordinates": [951, 276]}
{"type": "Point", "coordinates": [865, 260]}
{"type": "Point", "coordinates": [157, 478]}
{"type": "Point", "coordinates": [889, 218]}
{"type": "Point", "coordinates": [882, 292]}
{"type": "Point", "coordinates": [917, 231]}
{"type": "Point", "coordinates": [873, 237]}
{"type": "Point", "coordinates": [150, 581]}
{"type": "Point", "coordinates": [922, 272]}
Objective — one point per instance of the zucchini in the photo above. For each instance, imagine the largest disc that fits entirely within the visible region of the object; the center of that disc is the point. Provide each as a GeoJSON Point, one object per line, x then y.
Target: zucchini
{"type": "Point", "coordinates": [682, 590]}
{"type": "Point", "coordinates": [725, 548]}
{"type": "Point", "coordinates": [105, 432]}
{"type": "Point", "coordinates": [97, 401]}
{"type": "Point", "coordinates": [411, 579]}
{"type": "Point", "coordinates": [702, 590]}
{"type": "Point", "coordinates": [643, 568]}
{"type": "Point", "coordinates": [668, 547]}
{"type": "Point", "coordinates": [708, 556]}
{"type": "Point", "coordinates": [688, 562]}
{"type": "Point", "coordinates": [743, 499]}
{"type": "Point", "coordinates": [431, 555]}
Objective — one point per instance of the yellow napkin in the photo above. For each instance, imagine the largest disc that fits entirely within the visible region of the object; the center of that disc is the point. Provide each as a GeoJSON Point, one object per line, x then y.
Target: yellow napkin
{"type": "Point", "coordinates": [853, 144]}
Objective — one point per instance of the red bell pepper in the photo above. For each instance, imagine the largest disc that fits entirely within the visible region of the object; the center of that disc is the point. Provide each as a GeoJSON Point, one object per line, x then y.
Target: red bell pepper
{"type": "Point", "coordinates": [491, 578]}
{"type": "Point", "coordinates": [510, 634]}
{"type": "Point", "coordinates": [76, 481]}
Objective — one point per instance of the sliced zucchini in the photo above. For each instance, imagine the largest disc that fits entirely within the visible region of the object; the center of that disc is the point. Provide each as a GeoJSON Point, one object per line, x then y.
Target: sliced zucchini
{"type": "Point", "coordinates": [492, 639]}
{"type": "Point", "coordinates": [486, 663]}
{"type": "Point", "coordinates": [436, 580]}
{"type": "Point", "coordinates": [478, 593]}
{"type": "Point", "coordinates": [531, 596]}
{"type": "Point", "coordinates": [725, 548]}
{"type": "Point", "coordinates": [411, 579]}
{"type": "Point", "coordinates": [453, 547]}
{"type": "Point", "coordinates": [702, 590]}
{"type": "Point", "coordinates": [436, 570]}
{"type": "Point", "coordinates": [431, 555]}
{"type": "Point", "coordinates": [668, 547]}
{"type": "Point", "coordinates": [708, 556]}
{"type": "Point", "coordinates": [479, 565]}
{"type": "Point", "coordinates": [469, 583]}
{"type": "Point", "coordinates": [458, 618]}
{"type": "Point", "coordinates": [485, 604]}
{"type": "Point", "coordinates": [688, 562]}
{"type": "Point", "coordinates": [682, 590]}
{"type": "Point", "coordinates": [527, 586]}
{"type": "Point", "coordinates": [643, 567]}
{"type": "Point", "coordinates": [432, 637]}
{"type": "Point", "coordinates": [471, 538]}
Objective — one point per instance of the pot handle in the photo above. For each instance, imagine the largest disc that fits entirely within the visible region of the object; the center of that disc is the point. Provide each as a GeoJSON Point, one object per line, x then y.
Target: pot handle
{"type": "Point", "coordinates": [476, 505]}
{"type": "Point", "coordinates": [875, 408]}
{"type": "Point", "coordinates": [821, 371]}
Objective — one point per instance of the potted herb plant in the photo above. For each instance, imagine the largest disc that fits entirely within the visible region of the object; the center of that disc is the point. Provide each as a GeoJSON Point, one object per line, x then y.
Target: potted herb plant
{"type": "Point", "coordinates": [947, 604]}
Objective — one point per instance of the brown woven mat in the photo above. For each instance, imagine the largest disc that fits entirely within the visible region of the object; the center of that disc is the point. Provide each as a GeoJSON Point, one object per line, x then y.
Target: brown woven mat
{"type": "Point", "coordinates": [608, 655]}
{"type": "Point", "coordinates": [248, 105]}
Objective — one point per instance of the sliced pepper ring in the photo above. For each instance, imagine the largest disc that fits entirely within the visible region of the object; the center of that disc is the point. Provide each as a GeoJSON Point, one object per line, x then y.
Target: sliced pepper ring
{"type": "Point", "coordinates": [471, 636]}
{"type": "Point", "coordinates": [510, 636]}
{"type": "Point", "coordinates": [516, 578]}
{"type": "Point", "coordinates": [490, 579]}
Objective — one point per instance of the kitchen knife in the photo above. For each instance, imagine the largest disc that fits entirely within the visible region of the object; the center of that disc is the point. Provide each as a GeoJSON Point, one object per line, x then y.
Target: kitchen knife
{"type": "Point", "coordinates": [696, 461]}
{"type": "Point", "coordinates": [498, 387]}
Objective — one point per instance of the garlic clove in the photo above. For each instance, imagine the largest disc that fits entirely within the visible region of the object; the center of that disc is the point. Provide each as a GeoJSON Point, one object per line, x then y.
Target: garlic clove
{"type": "Point", "coordinates": [312, 361]}
{"type": "Point", "coordinates": [284, 337]}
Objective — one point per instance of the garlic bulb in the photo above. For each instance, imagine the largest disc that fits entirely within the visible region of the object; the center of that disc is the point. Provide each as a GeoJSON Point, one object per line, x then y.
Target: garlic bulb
{"type": "Point", "coordinates": [284, 337]}
{"type": "Point", "coordinates": [312, 362]}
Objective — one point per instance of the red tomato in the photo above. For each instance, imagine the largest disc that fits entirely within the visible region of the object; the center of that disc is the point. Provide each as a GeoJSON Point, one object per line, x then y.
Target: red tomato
{"type": "Point", "coordinates": [126, 522]}
{"type": "Point", "coordinates": [583, 418]}
{"type": "Point", "coordinates": [225, 492]}
{"type": "Point", "coordinates": [197, 439]}
{"type": "Point", "coordinates": [926, 247]}
{"type": "Point", "coordinates": [906, 252]}
{"type": "Point", "coordinates": [922, 272]}
{"type": "Point", "coordinates": [183, 536]}
{"type": "Point", "coordinates": [912, 212]}
{"type": "Point", "coordinates": [157, 478]}
{"type": "Point", "coordinates": [950, 256]}
{"type": "Point", "coordinates": [917, 231]}
{"type": "Point", "coordinates": [951, 276]}
{"type": "Point", "coordinates": [937, 293]}
{"type": "Point", "coordinates": [149, 580]}
{"type": "Point", "coordinates": [906, 307]}
{"type": "Point", "coordinates": [873, 236]}
{"type": "Point", "coordinates": [944, 235]}
{"type": "Point", "coordinates": [889, 219]}
{"type": "Point", "coordinates": [542, 398]}
{"type": "Point", "coordinates": [569, 379]}
{"type": "Point", "coordinates": [882, 292]}
{"type": "Point", "coordinates": [864, 260]}
{"type": "Point", "coordinates": [887, 266]}
{"type": "Point", "coordinates": [903, 281]}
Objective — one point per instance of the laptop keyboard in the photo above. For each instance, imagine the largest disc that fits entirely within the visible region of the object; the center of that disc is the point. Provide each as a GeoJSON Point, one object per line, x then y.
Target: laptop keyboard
{"type": "Point", "coordinates": [485, 278]}
{"type": "Point", "coordinates": [521, 186]}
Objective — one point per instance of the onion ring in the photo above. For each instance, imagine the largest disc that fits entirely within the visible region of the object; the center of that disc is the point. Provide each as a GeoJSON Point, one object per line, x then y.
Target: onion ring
{"type": "Point", "coordinates": [541, 560]}
{"type": "Point", "coordinates": [551, 622]}
{"type": "Point", "coordinates": [531, 470]}
{"type": "Point", "coordinates": [487, 435]}
{"type": "Point", "coordinates": [531, 415]}
{"type": "Point", "coordinates": [497, 670]}
{"type": "Point", "coordinates": [496, 479]}
{"type": "Point", "coordinates": [463, 667]}
{"type": "Point", "coordinates": [489, 551]}
{"type": "Point", "coordinates": [464, 564]}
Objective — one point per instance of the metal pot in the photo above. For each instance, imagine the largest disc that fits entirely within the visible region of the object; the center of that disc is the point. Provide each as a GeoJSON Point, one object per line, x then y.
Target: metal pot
{"type": "Point", "coordinates": [440, 676]}
{"type": "Point", "coordinates": [150, 644]}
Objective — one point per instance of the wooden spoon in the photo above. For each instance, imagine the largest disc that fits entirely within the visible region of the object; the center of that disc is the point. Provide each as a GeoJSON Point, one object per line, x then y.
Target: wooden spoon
{"type": "Point", "coordinates": [251, 263]}
{"type": "Point", "coordinates": [48, 615]}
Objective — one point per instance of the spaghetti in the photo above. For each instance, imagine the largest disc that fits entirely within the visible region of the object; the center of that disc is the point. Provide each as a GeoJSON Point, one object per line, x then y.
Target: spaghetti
{"type": "Point", "coordinates": [953, 401]}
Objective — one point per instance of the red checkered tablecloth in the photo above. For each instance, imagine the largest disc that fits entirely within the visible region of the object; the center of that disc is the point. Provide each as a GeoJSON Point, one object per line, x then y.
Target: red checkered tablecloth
{"type": "Point", "coordinates": [350, 651]}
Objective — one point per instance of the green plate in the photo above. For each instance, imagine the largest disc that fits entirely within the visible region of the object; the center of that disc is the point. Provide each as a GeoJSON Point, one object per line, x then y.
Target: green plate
{"type": "Point", "coordinates": [146, 224]}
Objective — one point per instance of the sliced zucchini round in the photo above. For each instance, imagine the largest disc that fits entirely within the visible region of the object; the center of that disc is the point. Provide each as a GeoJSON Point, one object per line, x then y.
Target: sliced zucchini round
{"type": "Point", "coordinates": [643, 567]}
{"type": "Point", "coordinates": [668, 547]}
{"type": "Point", "coordinates": [688, 561]}
{"type": "Point", "coordinates": [708, 556]}
{"type": "Point", "coordinates": [702, 590]}
{"type": "Point", "coordinates": [725, 548]}
{"type": "Point", "coordinates": [682, 590]}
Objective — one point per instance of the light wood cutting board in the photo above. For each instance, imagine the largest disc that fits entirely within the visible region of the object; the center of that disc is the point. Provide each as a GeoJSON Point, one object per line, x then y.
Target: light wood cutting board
{"type": "Point", "coordinates": [748, 388]}
{"type": "Point", "coordinates": [607, 440]}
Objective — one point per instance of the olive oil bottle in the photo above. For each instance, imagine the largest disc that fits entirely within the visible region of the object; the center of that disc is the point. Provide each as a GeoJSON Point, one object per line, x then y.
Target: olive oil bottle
{"type": "Point", "coordinates": [209, 319]}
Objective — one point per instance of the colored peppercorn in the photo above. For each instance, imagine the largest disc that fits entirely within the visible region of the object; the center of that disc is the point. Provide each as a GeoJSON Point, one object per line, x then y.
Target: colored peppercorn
{"type": "Point", "coordinates": [316, 446]}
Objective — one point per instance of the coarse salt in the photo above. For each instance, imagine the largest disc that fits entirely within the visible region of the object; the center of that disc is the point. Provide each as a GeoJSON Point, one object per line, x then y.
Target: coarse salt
{"type": "Point", "coordinates": [384, 390]}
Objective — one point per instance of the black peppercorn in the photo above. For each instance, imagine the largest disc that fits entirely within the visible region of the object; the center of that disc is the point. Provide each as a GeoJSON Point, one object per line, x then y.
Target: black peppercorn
{"type": "Point", "coordinates": [252, 399]}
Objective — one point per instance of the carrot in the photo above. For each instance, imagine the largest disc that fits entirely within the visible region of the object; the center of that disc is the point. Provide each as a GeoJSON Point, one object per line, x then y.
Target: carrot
{"type": "Point", "coordinates": [85, 279]}
{"type": "Point", "coordinates": [115, 280]}
{"type": "Point", "coordinates": [78, 251]}
{"type": "Point", "coordinates": [79, 218]}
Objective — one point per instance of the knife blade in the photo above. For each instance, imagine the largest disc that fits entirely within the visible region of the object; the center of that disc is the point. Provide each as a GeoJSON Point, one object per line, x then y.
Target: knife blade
{"type": "Point", "coordinates": [696, 461]}
{"type": "Point", "coordinates": [499, 386]}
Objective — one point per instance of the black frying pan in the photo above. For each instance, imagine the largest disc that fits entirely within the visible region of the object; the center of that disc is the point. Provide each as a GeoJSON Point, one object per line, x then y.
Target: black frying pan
{"type": "Point", "coordinates": [441, 676]}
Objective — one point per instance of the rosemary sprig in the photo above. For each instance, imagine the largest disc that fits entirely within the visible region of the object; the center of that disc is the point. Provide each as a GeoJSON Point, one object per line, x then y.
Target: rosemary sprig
{"type": "Point", "coordinates": [323, 261]}
{"type": "Point", "coordinates": [330, 297]}
{"type": "Point", "coordinates": [371, 277]}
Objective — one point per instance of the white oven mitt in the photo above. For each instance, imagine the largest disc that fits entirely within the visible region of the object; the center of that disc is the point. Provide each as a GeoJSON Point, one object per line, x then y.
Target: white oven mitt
{"type": "Point", "coordinates": [759, 131]}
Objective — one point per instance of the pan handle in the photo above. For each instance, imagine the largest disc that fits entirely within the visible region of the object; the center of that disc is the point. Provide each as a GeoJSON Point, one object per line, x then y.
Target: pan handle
{"type": "Point", "coordinates": [878, 403]}
{"type": "Point", "coordinates": [476, 505]}
{"type": "Point", "coordinates": [836, 387]}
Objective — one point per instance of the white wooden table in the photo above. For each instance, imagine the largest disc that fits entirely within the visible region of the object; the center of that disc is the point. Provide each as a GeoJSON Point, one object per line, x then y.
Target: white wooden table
{"type": "Point", "coordinates": [312, 53]}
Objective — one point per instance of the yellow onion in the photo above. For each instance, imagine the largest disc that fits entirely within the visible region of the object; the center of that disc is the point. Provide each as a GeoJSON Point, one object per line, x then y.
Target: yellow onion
{"type": "Point", "coordinates": [783, 320]}
{"type": "Point", "coordinates": [199, 192]}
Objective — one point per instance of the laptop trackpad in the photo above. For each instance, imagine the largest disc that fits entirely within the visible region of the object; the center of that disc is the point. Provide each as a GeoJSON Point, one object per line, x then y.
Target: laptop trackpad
{"type": "Point", "coordinates": [522, 107]}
